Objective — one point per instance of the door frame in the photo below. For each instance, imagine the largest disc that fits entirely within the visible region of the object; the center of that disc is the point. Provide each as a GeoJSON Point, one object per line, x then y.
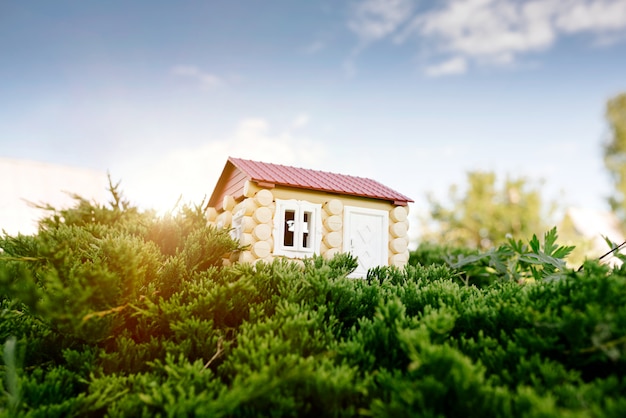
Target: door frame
{"type": "Point", "coordinates": [383, 247]}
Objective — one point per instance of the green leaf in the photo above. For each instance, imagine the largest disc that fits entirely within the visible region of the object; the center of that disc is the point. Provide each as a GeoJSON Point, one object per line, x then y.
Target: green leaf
{"type": "Point", "coordinates": [534, 244]}
{"type": "Point", "coordinates": [549, 241]}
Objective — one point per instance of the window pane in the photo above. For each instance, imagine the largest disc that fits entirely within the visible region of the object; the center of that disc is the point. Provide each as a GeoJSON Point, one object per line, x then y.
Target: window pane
{"type": "Point", "coordinates": [306, 229]}
{"type": "Point", "coordinates": [290, 227]}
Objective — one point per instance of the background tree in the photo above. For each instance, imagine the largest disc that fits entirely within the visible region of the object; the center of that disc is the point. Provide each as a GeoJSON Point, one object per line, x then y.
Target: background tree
{"type": "Point", "coordinates": [615, 152]}
{"type": "Point", "coordinates": [486, 212]}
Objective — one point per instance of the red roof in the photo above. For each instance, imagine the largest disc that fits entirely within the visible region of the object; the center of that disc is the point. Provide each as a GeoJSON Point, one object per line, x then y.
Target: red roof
{"type": "Point", "coordinates": [269, 175]}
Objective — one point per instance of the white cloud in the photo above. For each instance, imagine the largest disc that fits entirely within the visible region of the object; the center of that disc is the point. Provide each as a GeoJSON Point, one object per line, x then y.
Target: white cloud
{"type": "Point", "coordinates": [489, 28]}
{"type": "Point", "coordinates": [498, 31]}
{"type": "Point", "coordinates": [193, 172]}
{"type": "Point", "coordinates": [206, 80]}
{"type": "Point", "coordinates": [375, 19]}
{"type": "Point", "coordinates": [372, 20]}
{"type": "Point", "coordinates": [456, 65]}
{"type": "Point", "coordinates": [492, 32]}
{"type": "Point", "coordinates": [594, 16]}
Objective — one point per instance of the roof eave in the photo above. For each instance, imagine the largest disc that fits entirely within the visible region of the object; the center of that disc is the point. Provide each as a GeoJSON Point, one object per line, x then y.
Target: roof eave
{"type": "Point", "coordinates": [397, 202]}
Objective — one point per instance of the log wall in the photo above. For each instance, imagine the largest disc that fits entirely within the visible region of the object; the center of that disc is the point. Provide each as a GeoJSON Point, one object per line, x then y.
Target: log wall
{"type": "Point", "coordinates": [253, 216]}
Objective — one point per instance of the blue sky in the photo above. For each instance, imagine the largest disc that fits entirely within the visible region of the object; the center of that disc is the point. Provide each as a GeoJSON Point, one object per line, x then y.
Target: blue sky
{"type": "Point", "coordinates": [411, 93]}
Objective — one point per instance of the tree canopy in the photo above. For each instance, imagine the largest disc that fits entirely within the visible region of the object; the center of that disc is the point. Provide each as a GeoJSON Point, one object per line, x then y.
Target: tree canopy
{"type": "Point", "coordinates": [615, 152]}
{"type": "Point", "coordinates": [486, 212]}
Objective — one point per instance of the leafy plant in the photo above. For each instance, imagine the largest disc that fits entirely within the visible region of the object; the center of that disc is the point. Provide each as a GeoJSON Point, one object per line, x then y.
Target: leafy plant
{"type": "Point", "coordinates": [515, 261]}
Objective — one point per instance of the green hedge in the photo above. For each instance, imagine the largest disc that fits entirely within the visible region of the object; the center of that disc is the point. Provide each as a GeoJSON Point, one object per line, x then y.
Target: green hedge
{"type": "Point", "coordinates": [109, 311]}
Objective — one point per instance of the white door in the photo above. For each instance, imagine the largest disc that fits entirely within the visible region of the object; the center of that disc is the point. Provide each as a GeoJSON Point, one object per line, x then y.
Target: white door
{"type": "Point", "coordinates": [366, 237]}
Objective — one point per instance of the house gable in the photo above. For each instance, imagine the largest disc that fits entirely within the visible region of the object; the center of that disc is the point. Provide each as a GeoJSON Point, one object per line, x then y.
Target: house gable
{"type": "Point", "coordinates": [231, 183]}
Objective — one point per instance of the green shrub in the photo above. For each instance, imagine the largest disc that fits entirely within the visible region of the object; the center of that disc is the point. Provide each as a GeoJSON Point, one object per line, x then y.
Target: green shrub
{"type": "Point", "coordinates": [110, 311]}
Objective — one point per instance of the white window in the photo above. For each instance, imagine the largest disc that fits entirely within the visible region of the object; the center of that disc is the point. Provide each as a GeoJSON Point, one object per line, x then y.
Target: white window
{"type": "Point", "coordinates": [297, 228]}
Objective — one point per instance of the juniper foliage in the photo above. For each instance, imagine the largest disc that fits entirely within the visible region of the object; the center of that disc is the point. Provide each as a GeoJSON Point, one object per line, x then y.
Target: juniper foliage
{"type": "Point", "coordinates": [112, 312]}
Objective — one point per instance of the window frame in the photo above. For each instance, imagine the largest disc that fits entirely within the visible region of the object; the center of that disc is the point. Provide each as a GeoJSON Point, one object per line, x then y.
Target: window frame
{"type": "Point", "coordinates": [299, 207]}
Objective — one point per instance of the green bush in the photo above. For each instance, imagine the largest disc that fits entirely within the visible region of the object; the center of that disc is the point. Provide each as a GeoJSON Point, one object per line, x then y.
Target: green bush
{"type": "Point", "coordinates": [110, 311]}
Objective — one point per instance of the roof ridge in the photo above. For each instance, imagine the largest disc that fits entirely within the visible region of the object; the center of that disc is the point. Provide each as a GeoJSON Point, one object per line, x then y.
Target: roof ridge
{"type": "Point", "coordinates": [303, 168]}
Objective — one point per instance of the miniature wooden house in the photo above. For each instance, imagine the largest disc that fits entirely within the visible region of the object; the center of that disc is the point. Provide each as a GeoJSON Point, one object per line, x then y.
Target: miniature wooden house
{"type": "Point", "coordinates": [281, 211]}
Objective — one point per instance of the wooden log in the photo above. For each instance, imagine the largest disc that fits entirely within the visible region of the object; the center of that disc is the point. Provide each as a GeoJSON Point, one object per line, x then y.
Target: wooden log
{"type": "Point", "coordinates": [398, 260]}
{"type": "Point", "coordinates": [398, 214]}
{"type": "Point", "coordinates": [264, 197]}
{"type": "Point", "coordinates": [262, 215]}
{"type": "Point", "coordinates": [228, 203]}
{"type": "Point", "coordinates": [331, 253]}
{"type": "Point", "coordinates": [398, 245]}
{"type": "Point", "coordinates": [211, 214]}
{"type": "Point", "coordinates": [398, 229]}
{"type": "Point", "coordinates": [224, 220]}
{"type": "Point", "coordinates": [262, 232]}
{"type": "Point", "coordinates": [246, 239]}
{"type": "Point", "coordinates": [333, 223]}
{"type": "Point", "coordinates": [250, 189]}
{"type": "Point", "coordinates": [333, 239]}
{"type": "Point", "coordinates": [261, 249]}
{"type": "Point", "coordinates": [248, 224]}
{"type": "Point", "coordinates": [247, 257]}
{"type": "Point", "coordinates": [248, 206]}
{"type": "Point", "coordinates": [334, 207]}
